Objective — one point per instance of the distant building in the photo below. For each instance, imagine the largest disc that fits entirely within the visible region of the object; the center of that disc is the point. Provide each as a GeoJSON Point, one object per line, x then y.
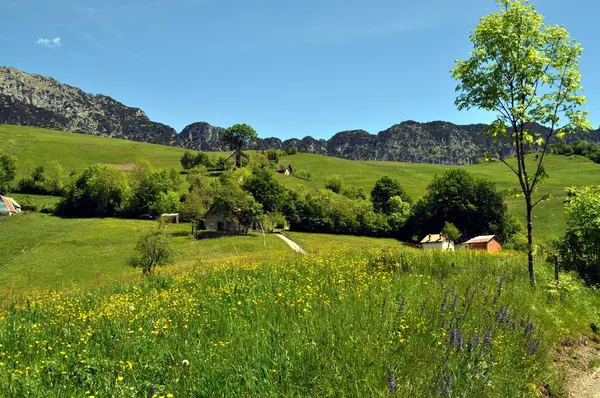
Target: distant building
{"type": "Point", "coordinates": [288, 171]}
{"type": "Point", "coordinates": [215, 222]}
{"type": "Point", "coordinates": [437, 241]}
{"type": "Point", "coordinates": [489, 243]}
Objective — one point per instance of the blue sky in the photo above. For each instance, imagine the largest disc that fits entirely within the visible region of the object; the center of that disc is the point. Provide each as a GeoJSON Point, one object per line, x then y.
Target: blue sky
{"type": "Point", "coordinates": [288, 68]}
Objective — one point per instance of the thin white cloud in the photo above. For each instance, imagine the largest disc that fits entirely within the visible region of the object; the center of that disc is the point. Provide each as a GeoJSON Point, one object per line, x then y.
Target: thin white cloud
{"type": "Point", "coordinates": [49, 43]}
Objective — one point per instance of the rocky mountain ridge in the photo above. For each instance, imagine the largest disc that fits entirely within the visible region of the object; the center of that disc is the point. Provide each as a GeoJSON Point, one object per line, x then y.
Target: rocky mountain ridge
{"type": "Point", "coordinates": [35, 100]}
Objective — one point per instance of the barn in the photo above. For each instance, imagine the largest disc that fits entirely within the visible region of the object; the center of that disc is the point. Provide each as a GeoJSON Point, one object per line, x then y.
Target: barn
{"type": "Point", "coordinates": [489, 243]}
{"type": "Point", "coordinates": [437, 241]}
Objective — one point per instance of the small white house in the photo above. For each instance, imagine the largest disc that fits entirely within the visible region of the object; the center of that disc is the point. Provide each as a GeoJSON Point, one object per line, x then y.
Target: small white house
{"type": "Point", "coordinates": [437, 241]}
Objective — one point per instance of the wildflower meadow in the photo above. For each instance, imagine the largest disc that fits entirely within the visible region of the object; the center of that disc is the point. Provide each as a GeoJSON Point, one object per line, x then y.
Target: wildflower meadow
{"type": "Point", "coordinates": [369, 323]}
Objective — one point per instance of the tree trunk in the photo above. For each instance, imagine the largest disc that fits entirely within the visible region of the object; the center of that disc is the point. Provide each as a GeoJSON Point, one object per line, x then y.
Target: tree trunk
{"type": "Point", "coordinates": [530, 239]}
{"type": "Point", "coordinates": [238, 158]}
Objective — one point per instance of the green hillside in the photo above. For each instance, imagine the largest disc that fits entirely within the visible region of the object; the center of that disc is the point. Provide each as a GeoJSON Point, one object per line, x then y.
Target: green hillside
{"type": "Point", "coordinates": [34, 146]}
{"type": "Point", "coordinates": [37, 147]}
{"type": "Point", "coordinates": [548, 217]}
{"type": "Point", "coordinates": [47, 252]}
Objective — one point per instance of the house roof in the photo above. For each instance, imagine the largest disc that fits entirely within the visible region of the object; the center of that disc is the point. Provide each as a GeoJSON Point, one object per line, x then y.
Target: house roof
{"type": "Point", "coordinates": [434, 238]}
{"type": "Point", "coordinates": [8, 204]}
{"type": "Point", "coordinates": [482, 239]}
{"type": "Point", "coordinates": [14, 203]}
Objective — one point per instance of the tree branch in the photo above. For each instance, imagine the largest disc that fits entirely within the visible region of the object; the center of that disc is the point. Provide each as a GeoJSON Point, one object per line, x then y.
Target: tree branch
{"type": "Point", "coordinates": [552, 131]}
{"type": "Point", "coordinates": [543, 198]}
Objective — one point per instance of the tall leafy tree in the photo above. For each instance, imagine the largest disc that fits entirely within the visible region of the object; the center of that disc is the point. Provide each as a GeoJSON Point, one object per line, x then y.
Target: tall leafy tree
{"type": "Point", "coordinates": [473, 205]}
{"type": "Point", "coordinates": [266, 190]}
{"type": "Point", "coordinates": [101, 190]}
{"type": "Point", "coordinates": [526, 72]}
{"type": "Point", "coordinates": [385, 188]}
{"type": "Point", "coordinates": [237, 137]}
{"type": "Point", "coordinates": [8, 170]}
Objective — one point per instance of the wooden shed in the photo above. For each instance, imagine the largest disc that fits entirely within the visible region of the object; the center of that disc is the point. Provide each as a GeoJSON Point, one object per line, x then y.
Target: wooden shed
{"type": "Point", "coordinates": [489, 243]}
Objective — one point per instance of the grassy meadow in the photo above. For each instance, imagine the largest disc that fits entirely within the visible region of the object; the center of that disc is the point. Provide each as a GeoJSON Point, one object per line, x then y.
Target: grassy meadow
{"type": "Point", "coordinates": [360, 323]}
{"type": "Point", "coordinates": [246, 316]}
{"type": "Point", "coordinates": [41, 251]}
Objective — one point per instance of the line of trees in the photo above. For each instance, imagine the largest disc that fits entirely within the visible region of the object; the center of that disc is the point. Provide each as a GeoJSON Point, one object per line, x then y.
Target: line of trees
{"type": "Point", "coordinates": [106, 191]}
{"type": "Point", "coordinates": [590, 150]}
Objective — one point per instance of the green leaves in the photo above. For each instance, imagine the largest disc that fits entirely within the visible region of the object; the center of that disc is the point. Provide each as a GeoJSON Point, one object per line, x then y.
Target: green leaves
{"type": "Point", "coordinates": [523, 69]}
{"type": "Point", "coordinates": [239, 135]}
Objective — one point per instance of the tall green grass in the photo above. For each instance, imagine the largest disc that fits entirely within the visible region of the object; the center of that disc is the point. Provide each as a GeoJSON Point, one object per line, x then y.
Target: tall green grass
{"type": "Point", "coordinates": [371, 323]}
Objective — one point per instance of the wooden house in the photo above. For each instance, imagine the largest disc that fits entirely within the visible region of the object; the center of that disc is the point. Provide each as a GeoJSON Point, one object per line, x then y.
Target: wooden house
{"type": "Point", "coordinates": [288, 171]}
{"type": "Point", "coordinates": [215, 222]}
{"type": "Point", "coordinates": [437, 241]}
{"type": "Point", "coordinates": [489, 243]}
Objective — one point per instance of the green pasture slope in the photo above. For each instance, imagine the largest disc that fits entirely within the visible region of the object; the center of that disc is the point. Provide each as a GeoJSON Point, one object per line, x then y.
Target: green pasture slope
{"type": "Point", "coordinates": [549, 219]}
{"type": "Point", "coordinates": [34, 147]}
{"type": "Point", "coordinates": [46, 252]}
{"type": "Point", "coordinates": [38, 147]}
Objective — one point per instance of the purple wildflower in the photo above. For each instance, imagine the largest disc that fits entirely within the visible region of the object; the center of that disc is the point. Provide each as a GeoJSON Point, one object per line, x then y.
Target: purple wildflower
{"type": "Point", "coordinates": [452, 337]}
{"type": "Point", "coordinates": [499, 291]}
{"type": "Point", "coordinates": [391, 382]}
{"type": "Point", "coordinates": [447, 385]}
{"type": "Point", "coordinates": [533, 346]}
{"type": "Point", "coordinates": [444, 302]}
{"type": "Point", "coordinates": [459, 341]}
{"type": "Point", "coordinates": [487, 338]}
{"type": "Point", "coordinates": [454, 300]}
{"type": "Point", "coordinates": [530, 328]}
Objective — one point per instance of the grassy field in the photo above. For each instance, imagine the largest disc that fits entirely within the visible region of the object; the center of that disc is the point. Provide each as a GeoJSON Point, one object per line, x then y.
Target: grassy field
{"type": "Point", "coordinates": [316, 243]}
{"type": "Point", "coordinates": [46, 252]}
{"type": "Point", "coordinates": [549, 217]}
{"type": "Point", "coordinates": [34, 147]}
{"type": "Point", "coordinates": [355, 324]}
{"type": "Point", "coordinates": [37, 147]}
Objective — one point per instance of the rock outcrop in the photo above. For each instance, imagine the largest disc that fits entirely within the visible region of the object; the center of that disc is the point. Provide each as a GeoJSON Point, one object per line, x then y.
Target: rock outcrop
{"type": "Point", "coordinates": [36, 100]}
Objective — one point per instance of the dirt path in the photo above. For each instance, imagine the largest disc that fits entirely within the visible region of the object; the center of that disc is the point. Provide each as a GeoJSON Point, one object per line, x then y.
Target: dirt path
{"type": "Point", "coordinates": [291, 244]}
{"type": "Point", "coordinates": [587, 386]}
{"type": "Point", "coordinates": [583, 371]}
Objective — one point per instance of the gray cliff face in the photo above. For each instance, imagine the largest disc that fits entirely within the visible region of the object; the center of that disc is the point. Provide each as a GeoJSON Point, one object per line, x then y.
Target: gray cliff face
{"type": "Point", "coordinates": [36, 99]}
{"type": "Point", "coordinates": [33, 100]}
{"type": "Point", "coordinates": [202, 136]}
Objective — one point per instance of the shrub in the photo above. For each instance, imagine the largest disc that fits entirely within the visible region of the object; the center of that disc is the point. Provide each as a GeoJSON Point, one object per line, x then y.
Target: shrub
{"type": "Point", "coordinates": [334, 183]}
{"type": "Point", "coordinates": [291, 151]}
{"type": "Point", "coordinates": [273, 156]}
{"type": "Point", "coordinates": [152, 250]}
{"type": "Point", "coordinates": [302, 174]}
{"type": "Point", "coordinates": [189, 160]}
{"type": "Point", "coordinates": [580, 248]}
